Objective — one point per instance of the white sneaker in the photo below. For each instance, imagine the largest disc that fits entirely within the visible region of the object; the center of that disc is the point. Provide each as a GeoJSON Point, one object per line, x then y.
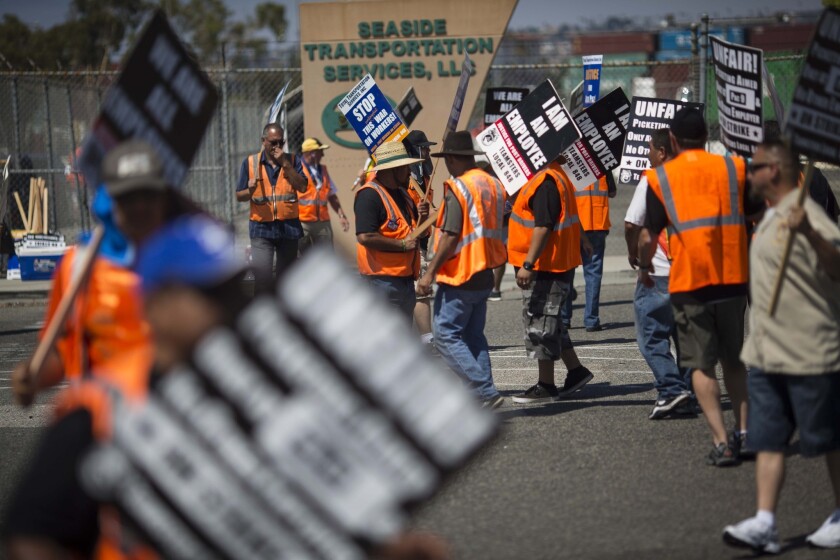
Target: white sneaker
{"type": "Point", "coordinates": [828, 535]}
{"type": "Point", "coordinates": [754, 534]}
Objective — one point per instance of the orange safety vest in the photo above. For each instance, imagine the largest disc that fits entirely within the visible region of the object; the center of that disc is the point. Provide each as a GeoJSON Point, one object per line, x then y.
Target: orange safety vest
{"type": "Point", "coordinates": [594, 207]}
{"type": "Point", "coordinates": [415, 196]}
{"type": "Point", "coordinates": [481, 246]}
{"type": "Point", "coordinates": [313, 203]}
{"type": "Point", "coordinates": [703, 196]}
{"type": "Point", "coordinates": [107, 331]}
{"type": "Point", "coordinates": [373, 262]}
{"type": "Point", "coordinates": [562, 250]}
{"type": "Point", "coordinates": [98, 398]}
{"type": "Point", "coordinates": [281, 204]}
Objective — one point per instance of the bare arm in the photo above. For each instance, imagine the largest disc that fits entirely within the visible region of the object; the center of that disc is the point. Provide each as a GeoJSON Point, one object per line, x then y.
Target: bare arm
{"type": "Point", "coordinates": [631, 237]}
{"type": "Point", "coordinates": [379, 242]}
{"type": "Point", "coordinates": [298, 181]}
{"type": "Point", "coordinates": [538, 241]}
{"type": "Point", "coordinates": [446, 247]}
{"type": "Point", "coordinates": [647, 247]}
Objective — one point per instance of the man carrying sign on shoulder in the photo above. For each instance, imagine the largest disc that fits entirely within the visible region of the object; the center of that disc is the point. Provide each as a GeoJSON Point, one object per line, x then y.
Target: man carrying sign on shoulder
{"type": "Point", "coordinates": [469, 246]}
{"type": "Point", "coordinates": [320, 191]}
{"type": "Point", "coordinates": [544, 245]}
{"type": "Point", "coordinates": [385, 216]}
{"type": "Point", "coordinates": [271, 181]}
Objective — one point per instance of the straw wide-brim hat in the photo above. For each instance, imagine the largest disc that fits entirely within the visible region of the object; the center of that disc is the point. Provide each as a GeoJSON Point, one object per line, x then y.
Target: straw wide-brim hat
{"type": "Point", "coordinates": [312, 144]}
{"type": "Point", "coordinates": [390, 155]}
{"type": "Point", "coordinates": [458, 144]}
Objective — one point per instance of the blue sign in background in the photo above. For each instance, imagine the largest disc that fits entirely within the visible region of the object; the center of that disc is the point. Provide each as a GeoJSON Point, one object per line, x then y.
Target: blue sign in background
{"type": "Point", "coordinates": [591, 79]}
{"type": "Point", "coordinates": [373, 118]}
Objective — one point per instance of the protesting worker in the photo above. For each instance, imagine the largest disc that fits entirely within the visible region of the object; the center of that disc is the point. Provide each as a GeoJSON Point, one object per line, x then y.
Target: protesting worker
{"type": "Point", "coordinates": [655, 327]}
{"type": "Point", "coordinates": [271, 181]}
{"type": "Point", "coordinates": [106, 321]}
{"type": "Point", "coordinates": [794, 356]}
{"type": "Point", "coordinates": [320, 192]}
{"type": "Point", "coordinates": [594, 212]}
{"type": "Point", "coordinates": [385, 216]}
{"type": "Point", "coordinates": [702, 199]}
{"type": "Point", "coordinates": [544, 241]}
{"type": "Point", "coordinates": [469, 245]}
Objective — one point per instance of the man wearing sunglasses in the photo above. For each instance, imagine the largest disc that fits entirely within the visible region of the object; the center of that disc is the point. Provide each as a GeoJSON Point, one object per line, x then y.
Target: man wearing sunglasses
{"type": "Point", "coordinates": [271, 181]}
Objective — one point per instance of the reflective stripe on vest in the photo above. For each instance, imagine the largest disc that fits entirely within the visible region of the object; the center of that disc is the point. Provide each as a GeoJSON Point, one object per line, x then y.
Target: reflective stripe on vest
{"type": "Point", "coordinates": [479, 231]}
{"type": "Point", "coordinates": [314, 201]}
{"type": "Point", "coordinates": [568, 221]}
{"type": "Point", "coordinates": [734, 218]}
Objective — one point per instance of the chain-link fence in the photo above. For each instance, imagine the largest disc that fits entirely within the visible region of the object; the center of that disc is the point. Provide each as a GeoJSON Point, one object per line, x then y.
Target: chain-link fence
{"type": "Point", "coordinates": [45, 116]}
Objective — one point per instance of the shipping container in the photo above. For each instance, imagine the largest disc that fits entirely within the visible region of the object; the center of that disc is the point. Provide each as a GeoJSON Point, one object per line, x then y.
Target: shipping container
{"type": "Point", "coordinates": [613, 43]}
{"type": "Point", "coordinates": [770, 38]}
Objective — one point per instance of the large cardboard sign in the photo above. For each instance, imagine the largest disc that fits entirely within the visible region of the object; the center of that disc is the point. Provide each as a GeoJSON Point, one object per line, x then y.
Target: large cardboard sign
{"type": "Point", "coordinates": [529, 137]}
{"type": "Point", "coordinates": [646, 115]}
{"type": "Point", "coordinates": [309, 449]}
{"type": "Point", "coordinates": [738, 82]}
{"type": "Point", "coordinates": [401, 44]}
{"type": "Point", "coordinates": [598, 152]}
{"type": "Point", "coordinates": [501, 100]}
{"type": "Point", "coordinates": [814, 121]}
{"type": "Point", "coordinates": [161, 96]}
{"type": "Point", "coordinates": [591, 78]}
{"type": "Point", "coordinates": [371, 115]}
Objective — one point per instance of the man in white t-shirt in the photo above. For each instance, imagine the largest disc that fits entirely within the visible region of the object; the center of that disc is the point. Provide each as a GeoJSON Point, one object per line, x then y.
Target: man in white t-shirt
{"type": "Point", "coordinates": [655, 327]}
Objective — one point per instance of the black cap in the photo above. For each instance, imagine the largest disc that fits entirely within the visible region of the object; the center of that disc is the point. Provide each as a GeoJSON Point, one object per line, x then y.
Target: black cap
{"type": "Point", "coordinates": [689, 124]}
{"type": "Point", "coordinates": [133, 165]}
{"type": "Point", "coordinates": [417, 138]}
{"type": "Point", "coordinates": [458, 144]}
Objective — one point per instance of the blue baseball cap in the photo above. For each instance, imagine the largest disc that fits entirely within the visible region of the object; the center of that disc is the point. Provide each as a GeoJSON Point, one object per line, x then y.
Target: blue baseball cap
{"type": "Point", "coordinates": [194, 250]}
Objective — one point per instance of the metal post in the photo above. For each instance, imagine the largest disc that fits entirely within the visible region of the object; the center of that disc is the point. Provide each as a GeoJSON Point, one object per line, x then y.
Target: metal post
{"type": "Point", "coordinates": [704, 54]}
{"type": "Point", "coordinates": [16, 117]}
{"type": "Point", "coordinates": [84, 212]}
{"type": "Point", "coordinates": [227, 181]}
{"type": "Point", "coordinates": [50, 160]}
{"type": "Point", "coordinates": [695, 57]}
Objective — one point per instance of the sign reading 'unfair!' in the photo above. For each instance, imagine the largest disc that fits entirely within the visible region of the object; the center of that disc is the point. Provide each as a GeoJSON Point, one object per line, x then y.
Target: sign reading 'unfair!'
{"type": "Point", "coordinates": [371, 115]}
{"type": "Point", "coordinates": [814, 121]}
{"type": "Point", "coordinates": [161, 96]}
{"type": "Point", "coordinates": [738, 82]}
{"type": "Point", "coordinates": [310, 449]}
{"type": "Point", "coordinates": [647, 115]}
{"type": "Point", "coordinates": [602, 127]}
{"type": "Point", "coordinates": [529, 137]}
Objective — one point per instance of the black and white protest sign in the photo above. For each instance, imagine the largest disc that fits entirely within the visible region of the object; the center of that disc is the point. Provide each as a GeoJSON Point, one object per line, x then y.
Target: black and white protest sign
{"type": "Point", "coordinates": [313, 448]}
{"type": "Point", "coordinates": [501, 100]}
{"type": "Point", "coordinates": [814, 121]}
{"type": "Point", "coordinates": [598, 151]}
{"type": "Point", "coordinates": [738, 81]}
{"type": "Point", "coordinates": [161, 96]}
{"type": "Point", "coordinates": [409, 107]}
{"type": "Point", "coordinates": [646, 115]}
{"type": "Point", "coordinates": [576, 99]}
{"type": "Point", "coordinates": [529, 137]}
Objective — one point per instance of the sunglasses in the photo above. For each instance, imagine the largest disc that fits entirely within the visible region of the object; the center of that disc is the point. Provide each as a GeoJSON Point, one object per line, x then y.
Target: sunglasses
{"type": "Point", "coordinates": [753, 167]}
{"type": "Point", "coordinates": [275, 143]}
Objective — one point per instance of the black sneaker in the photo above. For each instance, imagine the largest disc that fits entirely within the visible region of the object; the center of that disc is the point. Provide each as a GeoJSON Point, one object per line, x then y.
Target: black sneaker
{"type": "Point", "coordinates": [538, 394]}
{"type": "Point", "coordinates": [686, 408]}
{"type": "Point", "coordinates": [596, 328]}
{"type": "Point", "coordinates": [495, 296]}
{"type": "Point", "coordinates": [575, 380]}
{"type": "Point", "coordinates": [493, 402]}
{"type": "Point", "coordinates": [722, 456]}
{"type": "Point", "coordinates": [664, 407]}
{"type": "Point", "coordinates": [738, 443]}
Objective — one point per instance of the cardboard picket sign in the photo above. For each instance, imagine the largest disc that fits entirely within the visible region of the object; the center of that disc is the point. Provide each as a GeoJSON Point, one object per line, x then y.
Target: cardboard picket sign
{"type": "Point", "coordinates": [529, 137]}
{"type": "Point", "coordinates": [161, 96]}
{"type": "Point", "coordinates": [598, 152]}
{"type": "Point", "coordinates": [316, 448]}
{"type": "Point", "coordinates": [371, 115]}
{"type": "Point", "coordinates": [501, 100]}
{"type": "Point", "coordinates": [409, 107]}
{"type": "Point", "coordinates": [813, 123]}
{"type": "Point", "coordinates": [738, 82]}
{"type": "Point", "coordinates": [646, 115]}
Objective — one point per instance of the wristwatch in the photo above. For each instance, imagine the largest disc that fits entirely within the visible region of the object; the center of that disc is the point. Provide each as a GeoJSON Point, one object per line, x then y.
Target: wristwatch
{"type": "Point", "coordinates": [528, 265]}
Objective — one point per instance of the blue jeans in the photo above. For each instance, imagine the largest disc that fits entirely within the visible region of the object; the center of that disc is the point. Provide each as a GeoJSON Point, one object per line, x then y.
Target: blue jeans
{"type": "Point", "coordinates": [459, 336]}
{"type": "Point", "coordinates": [398, 290]}
{"type": "Point", "coordinates": [593, 270]}
{"type": "Point", "coordinates": [655, 328]}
